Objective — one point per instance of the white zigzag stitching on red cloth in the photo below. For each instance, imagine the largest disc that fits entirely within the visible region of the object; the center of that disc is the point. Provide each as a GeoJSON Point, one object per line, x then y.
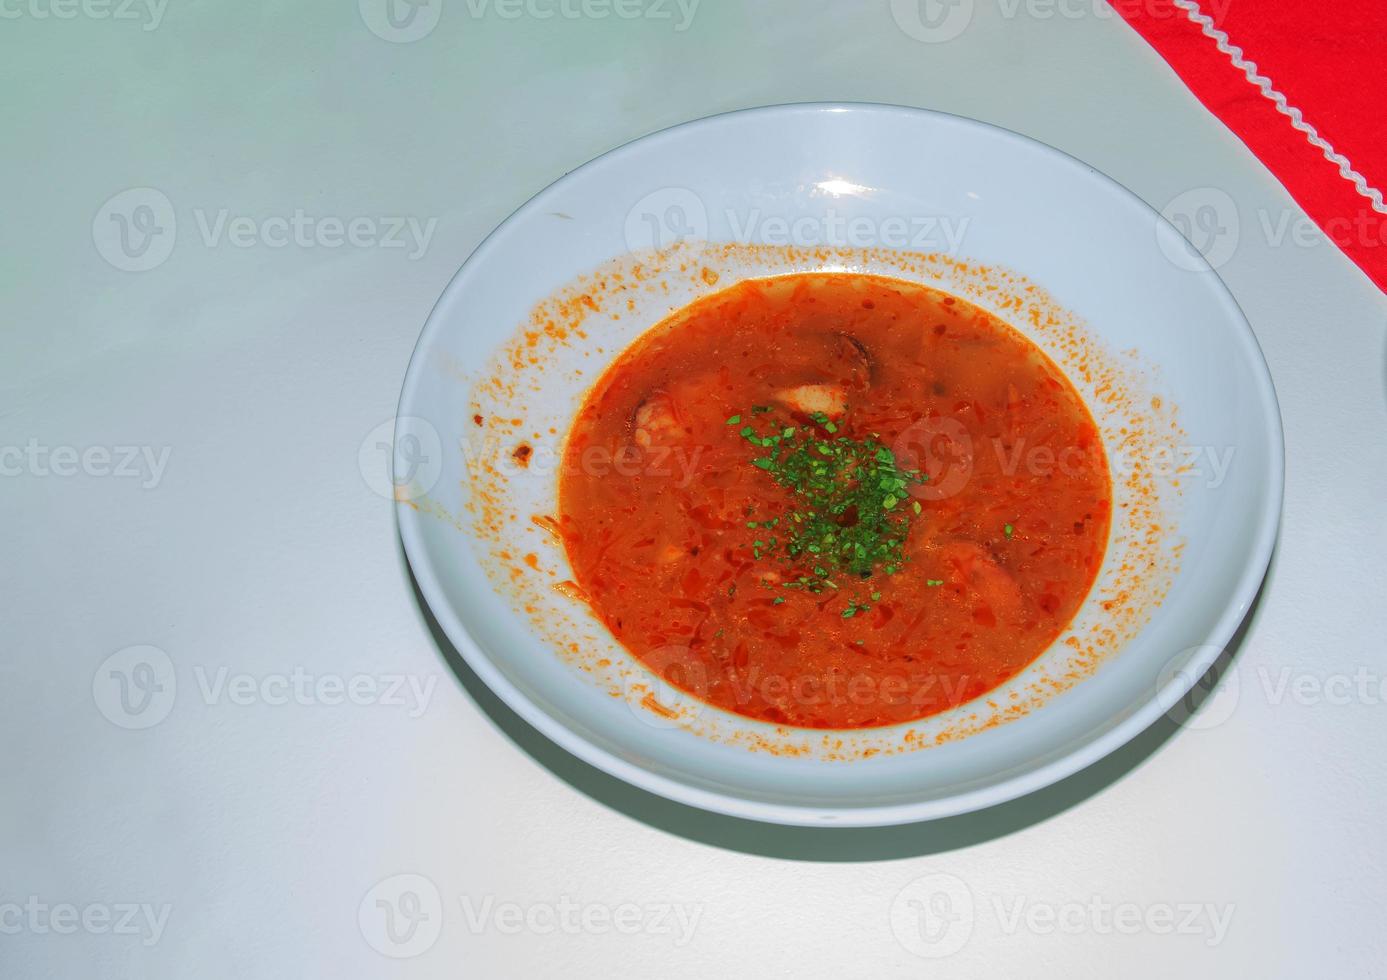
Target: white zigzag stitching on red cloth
{"type": "Point", "coordinates": [1249, 68]}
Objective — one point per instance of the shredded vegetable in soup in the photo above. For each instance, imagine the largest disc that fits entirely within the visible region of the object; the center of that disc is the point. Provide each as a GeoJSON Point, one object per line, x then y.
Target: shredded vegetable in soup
{"type": "Point", "coordinates": [834, 500]}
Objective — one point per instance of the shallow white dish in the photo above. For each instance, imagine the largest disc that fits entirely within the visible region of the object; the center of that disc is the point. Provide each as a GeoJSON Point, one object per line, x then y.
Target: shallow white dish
{"type": "Point", "coordinates": [849, 175]}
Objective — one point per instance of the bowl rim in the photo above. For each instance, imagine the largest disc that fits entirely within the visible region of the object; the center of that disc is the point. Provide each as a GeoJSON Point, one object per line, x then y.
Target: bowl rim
{"type": "Point", "coordinates": [1003, 790]}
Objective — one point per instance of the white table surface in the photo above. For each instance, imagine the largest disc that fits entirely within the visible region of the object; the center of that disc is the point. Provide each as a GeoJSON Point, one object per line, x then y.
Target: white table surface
{"type": "Point", "coordinates": [245, 836]}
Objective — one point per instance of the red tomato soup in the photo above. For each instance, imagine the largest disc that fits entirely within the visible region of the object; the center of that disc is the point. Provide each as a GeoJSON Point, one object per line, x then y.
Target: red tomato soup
{"type": "Point", "coordinates": [834, 500]}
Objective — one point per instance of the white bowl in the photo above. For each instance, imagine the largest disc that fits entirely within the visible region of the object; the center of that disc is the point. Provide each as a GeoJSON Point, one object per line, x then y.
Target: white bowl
{"type": "Point", "coordinates": [1144, 328]}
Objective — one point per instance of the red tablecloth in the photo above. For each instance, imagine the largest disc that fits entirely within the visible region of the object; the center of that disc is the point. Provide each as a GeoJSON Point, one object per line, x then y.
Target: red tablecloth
{"type": "Point", "coordinates": [1303, 85]}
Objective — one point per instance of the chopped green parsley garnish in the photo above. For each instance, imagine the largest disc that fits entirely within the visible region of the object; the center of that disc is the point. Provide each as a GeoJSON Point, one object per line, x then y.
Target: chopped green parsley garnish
{"type": "Point", "coordinates": [934, 581]}
{"type": "Point", "coordinates": [1007, 530]}
{"type": "Point", "coordinates": [845, 519]}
